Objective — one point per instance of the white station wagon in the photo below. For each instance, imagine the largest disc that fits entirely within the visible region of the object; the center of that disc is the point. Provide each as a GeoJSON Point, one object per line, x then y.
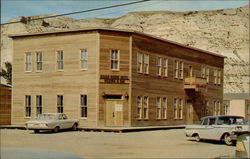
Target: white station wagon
{"type": "Point", "coordinates": [220, 128]}
{"type": "Point", "coordinates": [52, 121]}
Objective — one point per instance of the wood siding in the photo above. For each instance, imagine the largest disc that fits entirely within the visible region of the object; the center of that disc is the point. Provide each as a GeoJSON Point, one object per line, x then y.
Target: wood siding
{"type": "Point", "coordinates": [5, 105]}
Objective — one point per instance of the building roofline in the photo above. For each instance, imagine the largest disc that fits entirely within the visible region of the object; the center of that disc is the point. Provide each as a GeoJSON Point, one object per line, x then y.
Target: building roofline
{"type": "Point", "coordinates": [116, 30]}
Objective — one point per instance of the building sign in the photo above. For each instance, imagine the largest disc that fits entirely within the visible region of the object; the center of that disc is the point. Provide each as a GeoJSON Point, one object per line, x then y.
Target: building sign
{"type": "Point", "coordinates": [118, 107]}
{"type": "Point", "coordinates": [113, 79]}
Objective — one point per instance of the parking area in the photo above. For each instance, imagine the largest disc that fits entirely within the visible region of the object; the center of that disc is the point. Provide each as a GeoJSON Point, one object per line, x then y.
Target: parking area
{"type": "Point", "coordinates": [145, 144]}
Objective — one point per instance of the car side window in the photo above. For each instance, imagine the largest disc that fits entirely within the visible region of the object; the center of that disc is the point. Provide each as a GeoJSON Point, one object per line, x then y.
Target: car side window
{"type": "Point", "coordinates": [205, 121]}
{"type": "Point", "coordinates": [64, 116]}
{"type": "Point", "coordinates": [211, 121]}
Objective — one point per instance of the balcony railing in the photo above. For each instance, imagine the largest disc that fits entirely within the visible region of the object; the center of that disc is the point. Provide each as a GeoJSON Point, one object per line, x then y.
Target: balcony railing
{"type": "Point", "coordinates": [195, 83]}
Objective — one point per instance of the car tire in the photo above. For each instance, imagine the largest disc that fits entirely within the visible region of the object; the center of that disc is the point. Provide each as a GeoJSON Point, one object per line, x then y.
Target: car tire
{"type": "Point", "coordinates": [197, 138]}
{"type": "Point", "coordinates": [36, 131]}
{"type": "Point", "coordinates": [227, 140]}
{"type": "Point", "coordinates": [56, 129]}
{"type": "Point", "coordinates": [74, 127]}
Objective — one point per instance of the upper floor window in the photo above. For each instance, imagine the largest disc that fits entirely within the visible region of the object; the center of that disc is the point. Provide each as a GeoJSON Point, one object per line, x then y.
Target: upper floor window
{"type": "Point", "coordinates": [176, 68]}
{"type": "Point", "coordinates": [28, 62]}
{"type": "Point", "coordinates": [207, 74]}
{"type": "Point", "coordinates": [146, 63]}
{"type": "Point", "coordinates": [158, 65]}
{"type": "Point", "coordinates": [27, 106]}
{"type": "Point", "coordinates": [84, 59]}
{"type": "Point", "coordinates": [139, 62]}
{"type": "Point", "coordinates": [165, 67]}
{"type": "Point", "coordinates": [181, 70]}
{"type": "Point", "coordinates": [38, 104]}
{"type": "Point", "coordinates": [84, 106]}
{"type": "Point", "coordinates": [215, 76]}
{"type": "Point", "coordinates": [115, 59]}
{"type": "Point", "coordinates": [39, 61]}
{"type": "Point", "coordinates": [219, 77]}
{"type": "Point", "coordinates": [203, 71]}
{"type": "Point", "coordinates": [60, 58]}
{"type": "Point", "coordinates": [59, 104]}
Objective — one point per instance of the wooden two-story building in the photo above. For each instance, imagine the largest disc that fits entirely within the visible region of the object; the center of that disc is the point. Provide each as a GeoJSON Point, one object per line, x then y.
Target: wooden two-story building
{"type": "Point", "coordinates": [112, 77]}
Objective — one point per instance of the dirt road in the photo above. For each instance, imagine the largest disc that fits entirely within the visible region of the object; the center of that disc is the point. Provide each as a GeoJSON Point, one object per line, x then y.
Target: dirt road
{"type": "Point", "coordinates": [147, 144]}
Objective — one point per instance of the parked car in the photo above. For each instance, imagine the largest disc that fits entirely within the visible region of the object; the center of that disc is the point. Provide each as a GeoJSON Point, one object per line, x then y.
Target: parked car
{"type": "Point", "coordinates": [52, 121]}
{"type": "Point", "coordinates": [220, 128]}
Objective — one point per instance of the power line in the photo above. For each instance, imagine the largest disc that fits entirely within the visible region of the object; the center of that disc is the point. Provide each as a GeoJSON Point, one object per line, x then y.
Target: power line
{"type": "Point", "coordinates": [83, 11]}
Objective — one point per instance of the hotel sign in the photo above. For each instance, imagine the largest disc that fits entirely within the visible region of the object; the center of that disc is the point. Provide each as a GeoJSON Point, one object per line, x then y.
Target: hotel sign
{"type": "Point", "coordinates": [113, 79]}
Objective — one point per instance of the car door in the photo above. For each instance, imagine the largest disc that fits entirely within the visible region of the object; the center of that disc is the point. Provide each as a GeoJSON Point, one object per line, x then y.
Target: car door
{"type": "Point", "coordinates": [202, 128]}
{"type": "Point", "coordinates": [67, 123]}
{"type": "Point", "coordinates": [212, 129]}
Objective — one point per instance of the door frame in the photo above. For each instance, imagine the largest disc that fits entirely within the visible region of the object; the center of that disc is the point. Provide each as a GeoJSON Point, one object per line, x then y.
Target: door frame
{"type": "Point", "coordinates": [115, 113]}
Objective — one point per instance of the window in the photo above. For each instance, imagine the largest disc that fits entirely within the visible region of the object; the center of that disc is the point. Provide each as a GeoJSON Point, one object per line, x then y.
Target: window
{"type": "Point", "coordinates": [28, 62]}
{"type": "Point", "coordinates": [218, 107]}
{"type": "Point", "coordinates": [145, 108]}
{"type": "Point", "coordinates": [27, 106]}
{"type": "Point", "coordinates": [203, 71]}
{"type": "Point", "coordinates": [206, 107]}
{"type": "Point", "coordinates": [158, 108]}
{"type": "Point", "coordinates": [59, 104]}
{"type": "Point", "coordinates": [176, 68]}
{"type": "Point", "coordinates": [146, 63]}
{"type": "Point", "coordinates": [219, 77]}
{"type": "Point", "coordinates": [215, 108]}
{"type": "Point", "coordinates": [165, 108]}
{"type": "Point", "coordinates": [60, 58]}
{"type": "Point", "coordinates": [38, 104]}
{"type": "Point", "coordinates": [165, 67]}
{"type": "Point", "coordinates": [139, 62]}
{"type": "Point", "coordinates": [175, 108]}
{"type": "Point", "coordinates": [181, 70]}
{"type": "Point", "coordinates": [39, 61]}
{"type": "Point", "coordinates": [158, 65]}
{"type": "Point", "coordinates": [84, 59]}
{"type": "Point", "coordinates": [139, 107]}
{"type": "Point", "coordinates": [212, 121]}
{"type": "Point", "coordinates": [205, 121]}
{"type": "Point", "coordinates": [114, 60]}
{"type": "Point", "coordinates": [215, 76]}
{"type": "Point", "coordinates": [180, 109]}
{"type": "Point", "coordinates": [207, 74]}
{"type": "Point", "coordinates": [84, 106]}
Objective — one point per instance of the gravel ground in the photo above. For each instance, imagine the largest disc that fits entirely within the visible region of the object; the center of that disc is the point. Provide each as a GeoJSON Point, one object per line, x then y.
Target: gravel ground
{"type": "Point", "coordinates": [146, 144]}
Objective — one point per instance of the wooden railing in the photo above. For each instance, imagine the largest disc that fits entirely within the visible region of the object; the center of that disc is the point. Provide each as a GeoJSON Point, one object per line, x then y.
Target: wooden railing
{"type": "Point", "coordinates": [195, 83]}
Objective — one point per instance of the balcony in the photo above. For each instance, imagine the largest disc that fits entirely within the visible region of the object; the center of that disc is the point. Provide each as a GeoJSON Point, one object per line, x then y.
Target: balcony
{"type": "Point", "coordinates": [195, 83]}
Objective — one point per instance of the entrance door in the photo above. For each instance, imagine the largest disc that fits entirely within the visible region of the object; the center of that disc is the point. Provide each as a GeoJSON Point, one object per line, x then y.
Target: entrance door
{"type": "Point", "coordinates": [190, 113]}
{"type": "Point", "coordinates": [114, 113]}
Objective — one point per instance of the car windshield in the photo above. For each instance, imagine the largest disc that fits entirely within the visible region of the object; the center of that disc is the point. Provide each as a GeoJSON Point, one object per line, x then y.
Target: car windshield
{"type": "Point", "coordinates": [231, 120]}
{"type": "Point", "coordinates": [46, 117]}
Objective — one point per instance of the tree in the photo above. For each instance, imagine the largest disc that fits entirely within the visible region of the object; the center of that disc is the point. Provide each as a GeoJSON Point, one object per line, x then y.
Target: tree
{"type": "Point", "coordinates": [7, 74]}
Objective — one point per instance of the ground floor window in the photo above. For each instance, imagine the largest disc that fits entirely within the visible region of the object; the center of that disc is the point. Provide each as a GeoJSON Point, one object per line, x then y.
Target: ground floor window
{"type": "Point", "coordinates": [175, 108]}
{"type": "Point", "coordinates": [158, 108]}
{"type": "Point", "coordinates": [139, 108]}
{"type": "Point", "coordinates": [38, 104]}
{"type": "Point", "coordinates": [59, 104]}
{"type": "Point", "coordinates": [216, 107]}
{"type": "Point", "coordinates": [84, 106]}
{"type": "Point", "coordinates": [180, 108]}
{"type": "Point", "coordinates": [145, 107]}
{"type": "Point", "coordinates": [165, 107]}
{"type": "Point", "coordinates": [28, 106]}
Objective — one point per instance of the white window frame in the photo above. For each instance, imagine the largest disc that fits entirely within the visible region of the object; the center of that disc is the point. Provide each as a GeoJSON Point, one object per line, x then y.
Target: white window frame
{"type": "Point", "coordinates": [139, 107]}
{"type": "Point", "coordinates": [207, 74]}
{"type": "Point", "coordinates": [181, 105]}
{"type": "Point", "coordinates": [139, 62]}
{"type": "Point", "coordinates": [27, 106]}
{"type": "Point", "coordinates": [219, 77]}
{"type": "Point", "coordinates": [145, 107]}
{"type": "Point", "coordinates": [165, 107]}
{"type": "Point", "coordinates": [158, 66]}
{"type": "Point", "coordinates": [215, 76]}
{"type": "Point", "coordinates": [28, 62]}
{"type": "Point", "coordinates": [203, 71]}
{"type": "Point", "coordinates": [146, 63]}
{"type": "Point", "coordinates": [60, 60]}
{"type": "Point", "coordinates": [175, 108]}
{"type": "Point", "coordinates": [158, 108]}
{"type": "Point", "coordinates": [84, 106]}
{"type": "Point", "coordinates": [165, 67]}
{"type": "Point", "coordinates": [84, 59]}
{"type": "Point", "coordinates": [39, 104]}
{"type": "Point", "coordinates": [115, 60]}
{"type": "Point", "coordinates": [181, 69]}
{"type": "Point", "coordinates": [39, 61]}
{"type": "Point", "coordinates": [176, 69]}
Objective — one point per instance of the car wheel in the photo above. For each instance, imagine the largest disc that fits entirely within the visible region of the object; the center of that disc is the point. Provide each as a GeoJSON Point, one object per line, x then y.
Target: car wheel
{"type": "Point", "coordinates": [197, 138]}
{"type": "Point", "coordinates": [36, 131]}
{"type": "Point", "coordinates": [56, 129]}
{"type": "Point", "coordinates": [74, 127]}
{"type": "Point", "coordinates": [227, 139]}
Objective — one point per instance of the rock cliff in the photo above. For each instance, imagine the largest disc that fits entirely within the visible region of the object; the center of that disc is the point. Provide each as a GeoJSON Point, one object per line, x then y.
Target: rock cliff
{"type": "Point", "coordinates": [224, 32]}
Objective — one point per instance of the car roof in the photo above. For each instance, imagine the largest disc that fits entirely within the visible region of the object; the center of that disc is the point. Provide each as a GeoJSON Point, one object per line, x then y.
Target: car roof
{"type": "Point", "coordinates": [216, 116]}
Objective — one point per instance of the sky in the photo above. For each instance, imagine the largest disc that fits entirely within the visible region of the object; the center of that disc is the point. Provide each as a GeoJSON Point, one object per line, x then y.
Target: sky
{"type": "Point", "coordinates": [15, 8]}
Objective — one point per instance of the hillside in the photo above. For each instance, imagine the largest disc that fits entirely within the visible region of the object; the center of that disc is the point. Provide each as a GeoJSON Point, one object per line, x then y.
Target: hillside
{"type": "Point", "coordinates": [225, 32]}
